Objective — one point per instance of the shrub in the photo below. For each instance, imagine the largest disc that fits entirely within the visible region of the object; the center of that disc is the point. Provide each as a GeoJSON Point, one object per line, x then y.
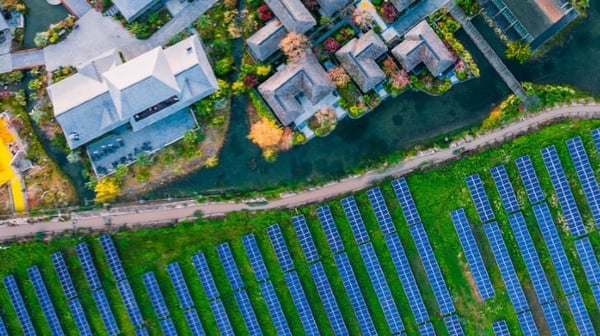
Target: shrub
{"type": "Point", "coordinates": [250, 80]}
{"type": "Point", "coordinates": [389, 12]}
{"type": "Point", "coordinates": [331, 45]}
{"type": "Point", "coordinates": [264, 13]}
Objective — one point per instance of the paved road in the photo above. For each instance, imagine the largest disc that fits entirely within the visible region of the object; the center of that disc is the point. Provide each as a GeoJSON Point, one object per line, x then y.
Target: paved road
{"type": "Point", "coordinates": [177, 211]}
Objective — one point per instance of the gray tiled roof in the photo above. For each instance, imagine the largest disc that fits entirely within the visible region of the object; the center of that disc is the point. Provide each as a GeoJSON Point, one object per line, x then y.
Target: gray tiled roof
{"type": "Point", "coordinates": [422, 45]}
{"type": "Point", "coordinates": [282, 90]}
{"type": "Point", "coordinates": [358, 58]}
{"type": "Point", "coordinates": [132, 9]}
{"type": "Point", "coordinates": [292, 14]}
{"type": "Point", "coordinates": [329, 7]}
{"type": "Point", "coordinates": [402, 4]}
{"type": "Point", "coordinates": [266, 40]}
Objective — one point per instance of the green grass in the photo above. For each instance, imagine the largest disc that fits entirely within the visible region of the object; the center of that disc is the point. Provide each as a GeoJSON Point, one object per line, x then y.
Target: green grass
{"type": "Point", "coordinates": [436, 192]}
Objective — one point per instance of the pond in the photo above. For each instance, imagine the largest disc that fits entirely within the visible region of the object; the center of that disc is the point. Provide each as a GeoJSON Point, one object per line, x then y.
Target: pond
{"type": "Point", "coordinates": [39, 17]}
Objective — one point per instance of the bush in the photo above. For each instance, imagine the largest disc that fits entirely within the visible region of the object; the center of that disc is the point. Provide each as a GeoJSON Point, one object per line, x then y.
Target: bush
{"type": "Point", "coordinates": [331, 45]}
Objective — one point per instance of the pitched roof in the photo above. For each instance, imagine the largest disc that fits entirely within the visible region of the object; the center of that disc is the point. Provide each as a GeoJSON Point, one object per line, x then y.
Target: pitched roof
{"type": "Point", "coordinates": [304, 79]}
{"type": "Point", "coordinates": [358, 58]}
{"type": "Point", "coordinates": [422, 45]}
{"type": "Point", "coordinates": [292, 14]}
{"type": "Point", "coordinates": [132, 9]}
{"type": "Point", "coordinates": [402, 4]}
{"type": "Point", "coordinates": [329, 7]}
{"type": "Point", "coordinates": [266, 40]}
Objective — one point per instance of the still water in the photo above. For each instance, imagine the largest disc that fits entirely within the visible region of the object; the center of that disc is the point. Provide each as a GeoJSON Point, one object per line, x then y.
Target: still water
{"type": "Point", "coordinates": [39, 17]}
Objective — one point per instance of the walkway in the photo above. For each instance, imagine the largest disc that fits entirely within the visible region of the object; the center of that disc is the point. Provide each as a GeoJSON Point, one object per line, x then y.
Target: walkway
{"type": "Point", "coordinates": [77, 7]}
{"type": "Point", "coordinates": [183, 210]}
{"type": "Point", "coordinates": [27, 59]}
{"type": "Point", "coordinates": [417, 14]}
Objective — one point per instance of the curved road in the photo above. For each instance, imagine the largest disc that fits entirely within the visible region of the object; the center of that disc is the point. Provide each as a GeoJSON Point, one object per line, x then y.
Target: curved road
{"type": "Point", "coordinates": [182, 210]}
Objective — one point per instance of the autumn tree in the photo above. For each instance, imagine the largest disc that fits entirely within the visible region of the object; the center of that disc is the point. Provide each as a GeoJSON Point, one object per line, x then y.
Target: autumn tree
{"type": "Point", "coordinates": [107, 189]}
{"type": "Point", "coordinates": [265, 133]}
{"type": "Point", "coordinates": [362, 19]}
{"type": "Point", "coordinates": [339, 76]}
{"type": "Point", "coordinates": [295, 46]}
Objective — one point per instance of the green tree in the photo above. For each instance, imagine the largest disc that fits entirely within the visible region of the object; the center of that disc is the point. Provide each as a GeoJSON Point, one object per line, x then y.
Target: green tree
{"type": "Point", "coordinates": [519, 51]}
{"type": "Point", "coordinates": [190, 137]}
{"type": "Point", "coordinates": [121, 172]}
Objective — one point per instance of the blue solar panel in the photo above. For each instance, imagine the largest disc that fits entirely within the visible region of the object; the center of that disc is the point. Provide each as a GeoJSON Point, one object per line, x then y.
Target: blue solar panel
{"type": "Point", "coordinates": [530, 179]}
{"type": "Point", "coordinates": [223, 323]}
{"type": "Point", "coordinates": [181, 288]}
{"type": "Point", "coordinates": [353, 290]}
{"type": "Point", "coordinates": [105, 312]}
{"type": "Point", "coordinates": [206, 278]}
{"type": "Point", "coordinates": [193, 322]}
{"type": "Point", "coordinates": [407, 278]}
{"type": "Point", "coordinates": [16, 299]}
{"type": "Point", "coordinates": [305, 238]}
{"type": "Point", "coordinates": [386, 224]}
{"type": "Point", "coordinates": [472, 254]}
{"type": "Point", "coordinates": [553, 319]}
{"type": "Point", "coordinates": [505, 189]}
{"type": "Point", "coordinates": [500, 328]}
{"type": "Point", "coordinates": [88, 266]}
{"type": "Point", "coordinates": [596, 137]}
{"type": "Point", "coordinates": [167, 327]}
{"type": "Point", "coordinates": [427, 329]}
{"type": "Point", "coordinates": [44, 299]}
{"type": "Point", "coordinates": [480, 198]}
{"type": "Point", "coordinates": [355, 219]}
{"type": "Point", "coordinates": [301, 303]}
{"type": "Point", "coordinates": [563, 191]}
{"type": "Point", "coordinates": [555, 247]}
{"type": "Point", "coordinates": [268, 293]}
{"type": "Point", "coordinates": [453, 324]}
{"type": "Point", "coordinates": [432, 269]}
{"type": "Point", "coordinates": [247, 312]}
{"type": "Point", "coordinates": [586, 176]}
{"type": "Point", "coordinates": [527, 323]}
{"type": "Point", "coordinates": [79, 316]}
{"type": "Point", "coordinates": [256, 259]}
{"type": "Point", "coordinates": [281, 250]}
{"type": "Point", "coordinates": [329, 303]}
{"type": "Point", "coordinates": [231, 269]}
{"type": "Point", "coordinates": [531, 258]}
{"type": "Point", "coordinates": [64, 278]}
{"type": "Point", "coordinates": [596, 294]}
{"type": "Point", "coordinates": [3, 331]}
{"type": "Point", "coordinates": [130, 304]}
{"type": "Point", "coordinates": [507, 269]}
{"type": "Point", "coordinates": [112, 257]}
{"type": "Point", "coordinates": [586, 253]}
{"type": "Point", "coordinates": [580, 314]}
{"type": "Point", "coordinates": [406, 201]}
{"type": "Point", "coordinates": [142, 332]}
{"type": "Point", "coordinates": [331, 232]}
{"type": "Point", "coordinates": [384, 294]}
{"type": "Point", "coordinates": [156, 296]}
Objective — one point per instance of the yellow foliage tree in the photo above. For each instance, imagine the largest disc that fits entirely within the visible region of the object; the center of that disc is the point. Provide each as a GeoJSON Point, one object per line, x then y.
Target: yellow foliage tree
{"type": "Point", "coordinates": [265, 133]}
{"type": "Point", "coordinates": [107, 189]}
{"type": "Point", "coordinates": [5, 135]}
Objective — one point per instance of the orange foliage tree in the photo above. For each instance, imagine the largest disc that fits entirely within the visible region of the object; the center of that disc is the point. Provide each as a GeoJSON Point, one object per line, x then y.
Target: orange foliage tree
{"type": "Point", "coordinates": [5, 135]}
{"type": "Point", "coordinates": [265, 133]}
{"type": "Point", "coordinates": [294, 46]}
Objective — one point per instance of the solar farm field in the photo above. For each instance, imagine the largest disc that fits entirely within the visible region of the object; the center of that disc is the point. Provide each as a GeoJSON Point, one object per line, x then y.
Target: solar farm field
{"type": "Point", "coordinates": [504, 242]}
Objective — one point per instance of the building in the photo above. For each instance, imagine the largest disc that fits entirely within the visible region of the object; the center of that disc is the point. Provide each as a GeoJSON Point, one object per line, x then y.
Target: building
{"type": "Point", "coordinates": [265, 42]}
{"type": "Point", "coordinates": [421, 45]}
{"type": "Point", "coordinates": [5, 36]}
{"type": "Point", "coordinates": [330, 7]}
{"type": "Point", "coordinates": [359, 56]}
{"type": "Point", "coordinates": [298, 91]}
{"type": "Point", "coordinates": [401, 5]}
{"type": "Point", "coordinates": [133, 9]}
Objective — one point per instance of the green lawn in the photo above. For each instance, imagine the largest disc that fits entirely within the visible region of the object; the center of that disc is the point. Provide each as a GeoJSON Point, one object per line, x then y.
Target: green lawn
{"type": "Point", "coordinates": [436, 192]}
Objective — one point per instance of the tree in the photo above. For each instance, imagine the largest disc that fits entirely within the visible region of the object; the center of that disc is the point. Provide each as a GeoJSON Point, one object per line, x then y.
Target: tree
{"type": "Point", "coordinates": [388, 12]}
{"type": "Point", "coordinates": [263, 70]}
{"type": "Point", "coordinates": [519, 51]}
{"type": "Point", "coordinates": [362, 19]}
{"type": "Point", "coordinates": [339, 76]}
{"type": "Point", "coordinates": [265, 133]}
{"type": "Point", "coordinates": [224, 66]}
{"type": "Point", "coordinates": [264, 13]}
{"type": "Point", "coordinates": [121, 172]}
{"type": "Point", "coordinates": [190, 138]}
{"type": "Point", "coordinates": [331, 45]}
{"type": "Point", "coordinates": [294, 46]}
{"type": "Point", "coordinates": [107, 189]}
{"type": "Point", "coordinates": [311, 4]}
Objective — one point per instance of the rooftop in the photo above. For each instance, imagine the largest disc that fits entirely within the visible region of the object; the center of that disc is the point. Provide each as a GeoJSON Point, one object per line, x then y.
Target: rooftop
{"type": "Point", "coordinates": [359, 57]}
{"type": "Point", "coordinates": [292, 14]}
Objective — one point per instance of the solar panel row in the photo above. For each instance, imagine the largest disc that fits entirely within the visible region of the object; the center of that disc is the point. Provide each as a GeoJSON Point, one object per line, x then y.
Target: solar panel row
{"type": "Point", "coordinates": [472, 254]}
{"type": "Point", "coordinates": [505, 189]}
{"type": "Point", "coordinates": [89, 269]}
{"type": "Point", "coordinates": [580, 314]}
{"type": "Point", "coordinates": [301, 303]}
{"type": "Point", "coordinates": [156, 297]}
{"type": "Point", "coordinates": [181, 289]}
{"type": "Point", "coordinates": [112, 257]}
{"type": "Point", "coordinates": [596, 137]}
{"type": "Point", "coordinates": [480, 198]}
{"type": "Point", "coordinates": [386, 224]}
{"type": "Point", "coordinates": [3, 331]}
{"type": "Point", "coordinates": [331, 232]}
{"type": "Point", "coordinates": [326, 295]}
{"type": "Point", "coordinates": [142, 332]}
{"type": "Point", "coordinates": [230, 267]}
{"type": "Point", "coordinates": [247, 312]}
{"type": "Point", "coordinates": [64, 278]}
{"type": "Point", "coordinates": [205, 275]}
{"type": "Point", "coordinates": [453, 324]}
{"type": "Point", "coordinates": [131, 306]}
{"type": "Point", "coordinates": [407, 203]}
{"type": "Point", "coordinates": [426, 329]}
{"type": "Point", "coordinates": [44, 299]}
{"type": "Point", "coordinates": [16, 299]}
{"type": "Point", "coordinates": [167, 327]}
{"type": "Point", "coordinates": [223, 323]}
{"type": "Point", "coordinates": [500, 328]}
{"type": "Point", "coordinates": [105, 312]}
{"type": "Point", "coordinates": [586, 253]}
{"type": "Point", "coordinates": [274, 307]}
{"type": "Point", "coordinates": [193, 322]}
{"type": "Point", "coordinates": [256, 260]}
{"type": "Point", "coordinates": [81, 321]}
{"type": "Point", "coordinates": [355, 220]}
{"type": "Point", "coordinates": [553, 319]}
{"type": "Point", "coordinates": [530, 179]}
{"type": "Point", "coordinates": [281, 251]}
{"type": "Point", "coordinates": [305, 238]}
{"type": "Point", "coordinates": [586, 176]}
{"type": "Point", "coordinates": [527, 323]}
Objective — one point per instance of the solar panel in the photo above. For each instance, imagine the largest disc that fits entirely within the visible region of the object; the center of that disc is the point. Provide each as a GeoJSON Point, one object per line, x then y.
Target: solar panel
{"type": "Point", "coordinates": [167, 327]}
{"type": "Point", "coordinates": [586, 253]}
{"type": "Point", "coordinates": [426, 329]}
{"type": "Point", "coordinates": [274, 306]}
{"type": "Point", "coordinates": [472, 254]}
{"type": "Point", "coordinates": [355, 219]}
{"type": "Point", "coordinates": [281, 250]}
{"type": "Point", "coordinates": [193, 322]}
{"type": "Point", "coordinates": [596, 294]}
{"type": "Point", "coordinates": [16, 299]}
{"type": "Point", "coordinates": [453, 324]}
{"type": "Point", "coordinates": [112, 257]}
{"type": "Point", "coordinates": [331, 232]}
{"type": "Point", "coordinates": [181, 288]}
{"type": "Point", "coordinates": [305, 238]}
{"type": "Point", "coordinates": [89, 269]}
{"type": "Point", "coordinates": [382, 290]}
{"type": "Point", "coordinates": [3, 331]}
{"type": "Point", "coordinates": [580, 314]}
{"type": "Point", "coordinates": [105, 312]}
{"type": "Point", "coordinates": [156, 296]}
{"type": "Point", "coordinates": [506, 266]}
{"type": "Point", "coordinates": [596, 137]}
{"type": "Point", "coordinates": [432, 269]}
{"type": "Point", "coordinates": [130, 303]}
{"type": "Point", "coordinates": [407, 278]}
{"type": "Point", "coordinates": [247, 312]}
{"type": "Point", "coordinates": [553, 319]}
{"type": "Point", "coordinates": [354, 294]}
{"type": "Point", "coordinates": [407, 203]}
{"type": "Point", "coordinates": [563, 191]}
{"type": "Point", "coordinates": [480, 198]}
{"type": "Point", "coordinates": [231, 269]}
{"type": "Point", "coordinates": [142, 332]}
{"type": "Point", "coordinates": [223, 323]}
{"type": "Point", "coordinates": [64, 278]}
{"type": "Point", "coordinates": [206, 278]}
{"type": "Point", "coordinates": [386, 224]}
{"type": "Point", "coordinates": [329, 303]}
{"type": "Point", "coordinates": [505, 189]}
{"type": "Point", "coordinates": [500, 328]}
{"type": "Point", "coordinates": [527, 323]}
{"type": "Point", "coordinates": [301, 303]}
{"type": "Point", "coordinates": [79, 317]}
{"type": "Point", "coordinates": [555, 247]}
{"type": "Point", "coordinates": [586, 176]}
{"type": "Point", "coordinates": [530, 179]}
{"type": "Point", "coordinates": [256, 259]}
{"type": "Point", "coordinates": [44, 299]}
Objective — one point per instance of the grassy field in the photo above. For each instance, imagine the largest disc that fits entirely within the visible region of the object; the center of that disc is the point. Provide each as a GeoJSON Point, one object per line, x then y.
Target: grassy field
{"type": "Point", "coordinates": [436, 192]}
